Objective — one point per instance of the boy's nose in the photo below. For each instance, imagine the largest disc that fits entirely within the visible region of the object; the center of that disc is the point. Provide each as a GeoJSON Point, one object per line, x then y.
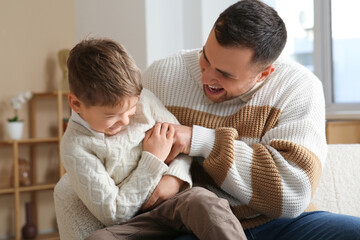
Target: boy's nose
{"type": "Point", "coordinates": [124, 121]}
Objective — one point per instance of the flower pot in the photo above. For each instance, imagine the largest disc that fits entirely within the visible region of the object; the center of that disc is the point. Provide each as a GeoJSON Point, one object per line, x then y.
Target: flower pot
{"type": "Point", "coordinates": [15, 129]}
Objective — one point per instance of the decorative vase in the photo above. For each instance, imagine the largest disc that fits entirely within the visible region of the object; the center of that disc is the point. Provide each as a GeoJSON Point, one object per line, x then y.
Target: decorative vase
{"type": "Point", "coordinates": [15, 129]}
{"type": "Point", "coordinates": [29, 230]}
{"type": "Point", "coordinates": [63, 55]}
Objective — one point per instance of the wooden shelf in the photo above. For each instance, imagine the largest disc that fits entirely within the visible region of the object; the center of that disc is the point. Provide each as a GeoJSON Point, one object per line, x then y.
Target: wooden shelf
{"type": "Point", "coordinates": [49, 94]}
{"type": "Point", "coordinates": [48, 236]}
{"type": "Point", "coordinates": [30, 141]}
{"type": "Point", "coordinates": [16, 190]}
{"type": "Point", "coordinates": [6, 190]}
{"type": "Point", "coordinates": [37, 187]}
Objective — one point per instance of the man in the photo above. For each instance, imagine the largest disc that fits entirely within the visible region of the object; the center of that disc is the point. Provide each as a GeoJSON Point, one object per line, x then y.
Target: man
{"type": "Point", "coordinates": [255, 123]}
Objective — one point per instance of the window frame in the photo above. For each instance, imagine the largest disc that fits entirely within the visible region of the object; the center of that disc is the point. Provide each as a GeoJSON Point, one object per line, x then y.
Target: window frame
{"type": "Point", "coordinates": [323, 64]}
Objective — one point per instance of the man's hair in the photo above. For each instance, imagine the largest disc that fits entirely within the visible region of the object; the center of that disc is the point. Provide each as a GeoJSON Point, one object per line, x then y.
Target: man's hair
{"type": "Point", "coordinates": [101, 73]}
{"type": "Point", "coordinates": [254, 25]}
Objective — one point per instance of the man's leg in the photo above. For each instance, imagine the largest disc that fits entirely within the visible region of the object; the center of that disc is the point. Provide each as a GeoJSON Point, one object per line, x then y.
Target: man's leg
{"type": "Point", "coordinates": [189, 236]}
{"type": "Point", "coordinates": [309, 226]}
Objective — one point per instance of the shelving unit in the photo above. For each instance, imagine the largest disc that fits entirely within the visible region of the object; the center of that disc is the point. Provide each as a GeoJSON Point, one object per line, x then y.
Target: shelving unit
{"type": "Point", "coordinates": [33, 142]}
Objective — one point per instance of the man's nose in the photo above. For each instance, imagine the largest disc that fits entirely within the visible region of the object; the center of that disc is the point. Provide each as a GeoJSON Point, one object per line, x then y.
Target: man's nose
{"type": "Point", "coordinates": [208, 77]}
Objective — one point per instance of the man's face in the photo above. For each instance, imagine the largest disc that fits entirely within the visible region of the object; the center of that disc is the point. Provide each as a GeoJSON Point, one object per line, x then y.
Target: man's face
{"type": "Point", "coordinates": [109, 119]}
{"type": "Point", "coordinates": [226, 72]}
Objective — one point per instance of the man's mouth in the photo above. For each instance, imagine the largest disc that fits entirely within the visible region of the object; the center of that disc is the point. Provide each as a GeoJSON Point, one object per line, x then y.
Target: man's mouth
{"type": "Point", "coordinates": [213, 89]}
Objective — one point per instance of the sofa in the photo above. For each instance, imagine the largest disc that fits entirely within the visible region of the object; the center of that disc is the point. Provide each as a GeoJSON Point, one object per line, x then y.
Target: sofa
{"type": "Point", "coordinates": [339, 187]}
{"type": "Point", "coordinates": [338, 192]}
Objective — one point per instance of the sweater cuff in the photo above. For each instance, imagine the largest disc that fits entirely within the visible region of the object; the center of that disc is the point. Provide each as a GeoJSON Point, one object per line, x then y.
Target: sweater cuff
{"type": "Point", "coordinates": [152, 163]}
{"type": "Point", "coordinates": [180, 168]}
{"type": "Point", "coordinates": [202, 141]}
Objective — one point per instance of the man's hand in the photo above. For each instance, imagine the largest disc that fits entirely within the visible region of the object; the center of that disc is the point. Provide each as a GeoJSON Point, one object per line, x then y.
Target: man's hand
{"type": "Point", "coordinates": [182, 142]}
{"type": "Point", "coordinates": [167, 188]}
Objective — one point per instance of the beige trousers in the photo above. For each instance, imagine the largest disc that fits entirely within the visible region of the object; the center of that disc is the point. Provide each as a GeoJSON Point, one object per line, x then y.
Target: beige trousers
{"type": "Point", "coordinates": [195, 210]}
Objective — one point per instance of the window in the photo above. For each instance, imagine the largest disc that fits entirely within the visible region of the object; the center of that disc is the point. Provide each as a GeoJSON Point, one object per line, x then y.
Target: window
{"type": "Point", "coordinates": [345, 50]}
{"type": "Point", "coordinates": [323, 36]}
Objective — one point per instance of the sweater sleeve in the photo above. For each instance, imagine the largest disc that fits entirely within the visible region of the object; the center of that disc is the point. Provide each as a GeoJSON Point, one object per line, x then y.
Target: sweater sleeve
{"type": "Point", "coordinates": [109, 203]}
{"type": "Point", "coordinates": [180, 167]}
{"type": "Point", "coordinates": [278, 173]}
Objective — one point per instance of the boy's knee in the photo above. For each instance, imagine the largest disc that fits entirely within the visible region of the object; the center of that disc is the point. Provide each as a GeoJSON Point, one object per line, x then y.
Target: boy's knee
{"type": "Point", "coordinates": [200, 193]}
{"type": "Point", "coordinates": [202, 198]}
{"type": "Point", "coordinates": [101, 234]}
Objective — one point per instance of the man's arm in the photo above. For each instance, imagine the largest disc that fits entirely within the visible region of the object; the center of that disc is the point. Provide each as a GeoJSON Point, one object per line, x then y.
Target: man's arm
{"type": "Point", "coordinates": [273, 170]}
{"type": "Point", "coordinates": [277, 175]}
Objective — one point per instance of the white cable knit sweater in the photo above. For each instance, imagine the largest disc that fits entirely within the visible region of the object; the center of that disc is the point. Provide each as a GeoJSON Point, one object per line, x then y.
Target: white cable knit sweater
{"type": "Point", "coordinates": [112, 175]}
{"type": "Point", "coordinates": [263, 151]}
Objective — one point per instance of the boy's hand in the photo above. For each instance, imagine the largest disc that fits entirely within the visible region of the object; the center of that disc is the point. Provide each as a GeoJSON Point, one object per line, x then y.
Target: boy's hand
{"type": "Point", "coordinates": [167, 188]}
{"type": "Point", "coordinates": [182, 142]}
{"type": "Point", "coordinates": [159, 140]}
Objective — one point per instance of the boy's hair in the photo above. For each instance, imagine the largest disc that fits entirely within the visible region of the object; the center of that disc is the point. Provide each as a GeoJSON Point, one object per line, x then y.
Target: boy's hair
{"type": "Point", "coordinates": [252, 24]}
{"type": "Point", "coordinates": [101, 73]}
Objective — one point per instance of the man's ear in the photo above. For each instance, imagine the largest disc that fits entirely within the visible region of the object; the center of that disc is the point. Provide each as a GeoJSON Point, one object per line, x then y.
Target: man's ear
{"type": "Point", "coordinates": [265, 73]}
{"type": "Point", "coordinates": [74, 102]}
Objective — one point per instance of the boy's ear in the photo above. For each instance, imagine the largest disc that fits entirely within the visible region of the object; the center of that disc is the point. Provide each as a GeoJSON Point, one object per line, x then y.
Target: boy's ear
{"type": "Point", "coordinates": [265, 73]}
{"type": "Point", "coordinates": [74, 102]}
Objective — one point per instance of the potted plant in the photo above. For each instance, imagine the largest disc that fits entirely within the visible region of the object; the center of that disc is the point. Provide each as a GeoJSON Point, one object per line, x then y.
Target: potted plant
{"type": "Point", "coordinates": [15, 125]}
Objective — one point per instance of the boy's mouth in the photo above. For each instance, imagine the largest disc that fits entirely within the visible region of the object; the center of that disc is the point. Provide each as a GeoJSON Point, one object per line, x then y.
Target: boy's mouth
{"type": "Point", "coordinates": [114, 129]}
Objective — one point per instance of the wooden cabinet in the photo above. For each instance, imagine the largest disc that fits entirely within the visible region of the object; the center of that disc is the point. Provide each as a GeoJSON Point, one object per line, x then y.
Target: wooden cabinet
{"type": "Point", "coordinates": [32, 143]}
{"type": "Point", "coordinates": [343, 131]}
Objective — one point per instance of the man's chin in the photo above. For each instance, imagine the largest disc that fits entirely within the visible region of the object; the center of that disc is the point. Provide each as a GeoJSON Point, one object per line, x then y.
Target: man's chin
{"type": "Point", "coordinates": [215, 98]}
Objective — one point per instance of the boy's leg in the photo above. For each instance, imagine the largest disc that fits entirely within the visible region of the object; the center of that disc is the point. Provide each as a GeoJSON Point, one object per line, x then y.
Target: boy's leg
{"type": "Point", "coordinates": [144, 227]}
{"type": "Point", "coordinates": [200, 211]}
{"type": "Point", "coordinates": [194, 210]}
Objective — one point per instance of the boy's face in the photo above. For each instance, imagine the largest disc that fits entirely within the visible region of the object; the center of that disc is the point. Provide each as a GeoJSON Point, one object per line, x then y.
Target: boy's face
{"type": "Point", "coordinates": [108, 119]}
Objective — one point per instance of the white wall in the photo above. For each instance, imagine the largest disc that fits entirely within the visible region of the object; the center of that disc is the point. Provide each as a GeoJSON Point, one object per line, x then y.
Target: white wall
{"type": "Point", "coordinates": [149, 29]}
{"type": "Point", "coordinates": [164, 28]}
{"type": "Point", "coordinates": [210, 10]}
{"type": "Point", "coordinates": [122, 20]}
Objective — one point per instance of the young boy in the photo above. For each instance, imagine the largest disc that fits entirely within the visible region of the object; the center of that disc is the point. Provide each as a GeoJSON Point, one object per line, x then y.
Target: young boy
{"type": "Point", "coordinates": [114, 150]}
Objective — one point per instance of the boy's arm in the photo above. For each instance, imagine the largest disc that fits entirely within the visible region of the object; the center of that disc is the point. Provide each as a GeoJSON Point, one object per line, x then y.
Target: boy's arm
{"type": "Point", "coordinates": [167, 188]}
{"type": "Point", "coordinates": [180, 167]}
{"type": "Point", "coordinates": [178, 174]}
{"type": "Point", "coordinates": [171, 183]}
{"type": "Point", "coordinates": [110, 203]}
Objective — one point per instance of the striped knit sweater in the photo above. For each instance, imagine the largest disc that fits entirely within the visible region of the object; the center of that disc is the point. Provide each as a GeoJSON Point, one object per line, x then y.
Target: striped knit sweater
{"type": "Point", "coordinates": [264, 150]}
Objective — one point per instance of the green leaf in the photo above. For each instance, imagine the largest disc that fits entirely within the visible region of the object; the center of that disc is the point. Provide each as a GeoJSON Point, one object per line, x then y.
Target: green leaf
{"type": "Point", "coordinates": [14, 119]}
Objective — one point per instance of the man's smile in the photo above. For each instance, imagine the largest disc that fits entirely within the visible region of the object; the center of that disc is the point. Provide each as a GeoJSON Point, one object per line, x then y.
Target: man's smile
{"type": "Point", "coordinates": [213, 89]}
